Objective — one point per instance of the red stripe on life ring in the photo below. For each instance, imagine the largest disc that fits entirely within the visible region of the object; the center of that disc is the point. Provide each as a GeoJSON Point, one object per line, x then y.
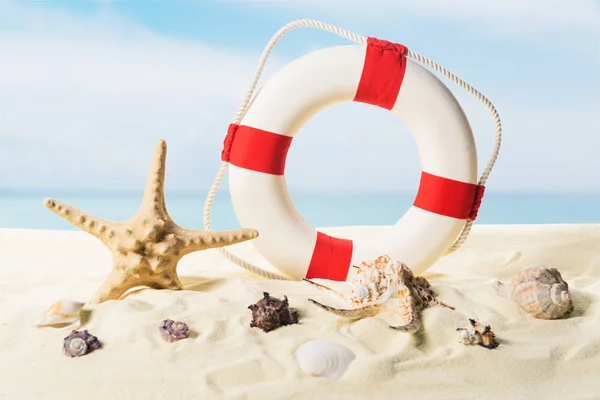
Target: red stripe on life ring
{"type": "Point", "coordinates": [382, 74]}
{"type": "Point", "coordinates": [448, 197]}
{"type": "Point", "coordinates": [331, 258]}
{"type": "Point", "coordinates": [257, 150]}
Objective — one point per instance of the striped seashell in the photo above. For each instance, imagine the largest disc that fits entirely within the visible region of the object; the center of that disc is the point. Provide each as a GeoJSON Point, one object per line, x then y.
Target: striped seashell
{"type": "Point", "coordinates": [538, 290]}
{"type": "Point", "coordinates": [324, 359]}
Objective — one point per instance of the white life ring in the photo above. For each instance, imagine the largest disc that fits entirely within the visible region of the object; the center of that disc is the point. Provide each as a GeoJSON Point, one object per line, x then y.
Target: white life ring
{"type": "Point", "coordinates": [256, 149]}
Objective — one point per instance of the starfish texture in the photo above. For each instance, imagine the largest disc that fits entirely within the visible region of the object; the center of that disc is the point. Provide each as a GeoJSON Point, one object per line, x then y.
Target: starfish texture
{"type": "Point", "coordinates": [147, 247]}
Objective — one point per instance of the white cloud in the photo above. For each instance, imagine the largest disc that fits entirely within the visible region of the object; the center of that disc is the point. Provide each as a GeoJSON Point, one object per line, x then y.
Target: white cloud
{"type": "Point", "coordinates": [82, 104]}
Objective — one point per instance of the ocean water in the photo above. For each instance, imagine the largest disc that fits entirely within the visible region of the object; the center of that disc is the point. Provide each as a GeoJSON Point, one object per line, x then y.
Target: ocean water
{"type": "Point", "coordinates": [25, 210]}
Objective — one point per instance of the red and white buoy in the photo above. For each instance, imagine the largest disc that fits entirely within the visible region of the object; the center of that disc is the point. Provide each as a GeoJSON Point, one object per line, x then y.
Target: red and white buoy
{"type": "Point", "coordinates": [377, 73]}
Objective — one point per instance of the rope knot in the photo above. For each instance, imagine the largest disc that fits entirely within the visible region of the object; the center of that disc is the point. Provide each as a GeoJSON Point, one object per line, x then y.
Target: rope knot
{"type": "Point", "coordinates": [228, 142]}
{"type": "Point", "coordinates": [477, 202]}
{"type": "Point", "coordinates": [384, 45]}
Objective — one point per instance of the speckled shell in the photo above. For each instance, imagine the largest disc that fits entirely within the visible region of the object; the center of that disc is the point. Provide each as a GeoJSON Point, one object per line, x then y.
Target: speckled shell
{"type": "Point", "coordinates": [540, 291]}
{"type": "Point", "coordinates": [384, 285]}
{"type": "Point", "coordinates": [477, 334]}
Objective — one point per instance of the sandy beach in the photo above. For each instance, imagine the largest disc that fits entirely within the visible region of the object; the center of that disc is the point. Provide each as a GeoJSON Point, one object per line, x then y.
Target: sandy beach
{"type": "Point", "coordinates": [225, 358]}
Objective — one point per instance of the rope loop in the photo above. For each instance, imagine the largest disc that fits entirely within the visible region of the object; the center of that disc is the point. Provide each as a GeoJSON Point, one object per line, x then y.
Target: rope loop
{"type": "Point", "coordinates": [361, 40]}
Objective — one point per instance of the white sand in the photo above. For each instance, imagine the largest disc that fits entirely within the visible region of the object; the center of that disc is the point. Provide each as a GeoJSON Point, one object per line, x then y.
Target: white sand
{"type": "Point", "coordinates": [226, 359]}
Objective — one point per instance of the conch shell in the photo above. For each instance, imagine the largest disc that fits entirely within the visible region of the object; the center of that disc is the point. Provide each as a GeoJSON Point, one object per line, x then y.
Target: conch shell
{"type": "Point", "coordinates": [538, 290]}
{"type": "Point", "coordinates": [64, 314]}
{"type": "Point", "coordinates": [324, 359]}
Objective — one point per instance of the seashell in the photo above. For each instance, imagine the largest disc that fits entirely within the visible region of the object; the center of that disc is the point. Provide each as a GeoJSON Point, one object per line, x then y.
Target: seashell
{"type": "Point", "coordinates": [64, 314]}
{"type": "Point", "coordinates": [324, 359]}
{"type": "Point", "coordinates": [478, 335]}
{"type": "Point", "coordinates": [270, 313]}
{"type": "Point", "coordinates": [360, 292]}
{"type": "Point", "coordinates": [79, 343]}
{"type": "Point", "coordinates": [172, 331]}
{"type": "Point", "coordinates": [384, 285]}
{"type": "Point", "coordinates": [538, 290]}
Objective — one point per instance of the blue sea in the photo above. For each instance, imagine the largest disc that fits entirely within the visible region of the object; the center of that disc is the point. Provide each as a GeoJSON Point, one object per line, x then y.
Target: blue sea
{"type": "Point", "coordinates": [25, 210]}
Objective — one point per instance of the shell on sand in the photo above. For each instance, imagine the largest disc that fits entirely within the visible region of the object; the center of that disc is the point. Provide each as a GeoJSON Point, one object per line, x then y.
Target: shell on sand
{"type": "Point", "coordinates": [384, 285]}
{"type": "Point", "coordinates": [64, 314]}
{"type": "Point", "coordinates": [540, 291]}
{"type": "Point", "coordinates": [477, 334]}
{"type": "Point", "coordinates": [324, 359]}
{"type": "Point", "coordinates": [80, 343]}
{"type": "Point", "coordinates": [270, 313]}
{"type": "Point", "coordinates": [172, 331]}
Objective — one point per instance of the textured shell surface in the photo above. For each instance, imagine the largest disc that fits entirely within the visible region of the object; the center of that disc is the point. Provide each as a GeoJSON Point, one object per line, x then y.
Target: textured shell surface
{"type": "Point", "coordinates": [79, 343]}
{"type": "Point", "coordinates": [172, 331]}
{"type": "Point", "coordinates": [360, 292]}
{"type": "Point", "coordinates": [64, 314]}
{"type": "Point", "coordinates": [270, 313]}
{"type": "Point", "coordinates": [384, 285]}
{"type": "Point", "coordinates": [76, 347]}
{"type": "Point", "coordinates": [323, 359]}
{"type": "Point", "coordinates": [375, 281]}
{"type": "Point", "coordinates": [476, 334]}
{"type": "Point", "coordinates": [540, 291]}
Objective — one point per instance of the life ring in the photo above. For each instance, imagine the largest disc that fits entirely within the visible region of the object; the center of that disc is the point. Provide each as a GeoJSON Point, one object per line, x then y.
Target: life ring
{"type": "Point", "coordinates": [380, 74]}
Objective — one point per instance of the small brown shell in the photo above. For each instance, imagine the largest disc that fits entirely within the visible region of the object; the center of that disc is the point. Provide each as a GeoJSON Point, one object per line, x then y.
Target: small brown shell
{"type": "Point", "coordinates": [540, 291]}
{"type": "Point", "coordinates": [79, 343]}
{"type": "Point", "coordinates": [172, 331]}
{"type": "Point", "coordinates": [478, 335]}
{"type": "Point", "coordinates": [270, 313]}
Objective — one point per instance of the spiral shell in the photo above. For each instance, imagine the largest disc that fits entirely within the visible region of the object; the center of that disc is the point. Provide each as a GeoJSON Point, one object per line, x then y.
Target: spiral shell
{"type": "Point", "coordinates": [324, 359]}
{"type": "Point", "coordinates": [79, 343]}
{"type": "Point", "coordinates": [540, 291]}
{"type": "Point", "coordinates": [172, 331]}
{"type": "Point", "coordinates": [64, 313]}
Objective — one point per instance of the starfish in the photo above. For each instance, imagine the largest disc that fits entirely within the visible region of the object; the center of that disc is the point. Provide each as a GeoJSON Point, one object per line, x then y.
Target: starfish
{"type": "Point", "coordinates": [147, 247]}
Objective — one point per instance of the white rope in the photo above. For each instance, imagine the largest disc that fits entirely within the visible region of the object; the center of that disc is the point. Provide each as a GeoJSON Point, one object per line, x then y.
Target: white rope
{"type": "Point", "coordinates": [362, 40]}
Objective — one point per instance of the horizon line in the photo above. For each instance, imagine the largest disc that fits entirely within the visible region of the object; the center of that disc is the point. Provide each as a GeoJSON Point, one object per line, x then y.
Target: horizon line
{"type": "Point", "coordinates": [130, 192]}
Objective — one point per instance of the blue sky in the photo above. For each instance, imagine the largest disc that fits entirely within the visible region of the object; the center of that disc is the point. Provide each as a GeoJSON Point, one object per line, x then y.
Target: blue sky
{"type": "Point", "coordinates": [87, 87]}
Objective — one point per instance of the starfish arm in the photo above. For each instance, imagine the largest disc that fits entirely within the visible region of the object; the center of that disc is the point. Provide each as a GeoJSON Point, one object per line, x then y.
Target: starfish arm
{"type": "Point", "coordinates": [171, 283]}
{"type": "Point", "coordinates": [95, 226]}
{"type": "Point", "coordinates": [115, 286]}
{"type": "Point", "coordinates": [201, 240]}
{"type": "Point", "coordinates": [154, 194]}
{"type": "Point", "coordinates": [357, 313]}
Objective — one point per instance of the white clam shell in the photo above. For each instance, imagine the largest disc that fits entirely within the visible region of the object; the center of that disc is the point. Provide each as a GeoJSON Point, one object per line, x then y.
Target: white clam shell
{"type": "Point", "coordinates": [324, 359]}
{"type": "Point", "coordinates": [64, 314]}
{"type": "Point", "coordinates": [539, 291]}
